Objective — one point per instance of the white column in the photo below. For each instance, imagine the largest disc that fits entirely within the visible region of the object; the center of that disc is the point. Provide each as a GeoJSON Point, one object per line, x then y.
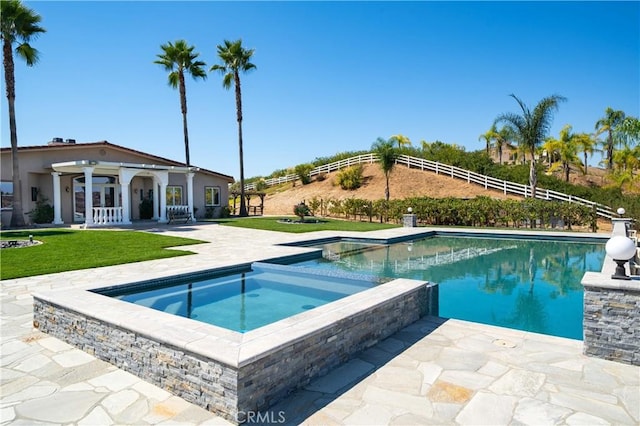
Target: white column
{"type": "Point", "coordinates": [126, 213]}
{"type": "Point", "coordinates": [88, 196]}
{"type": "Point", "coordinates": [163, 180]}
{"type": "Point", "coordinates": [156, 199]}
{"type": "Point", "coordinates": [57, 210]}
{"type": "Point", "coordinates": [190, 194]}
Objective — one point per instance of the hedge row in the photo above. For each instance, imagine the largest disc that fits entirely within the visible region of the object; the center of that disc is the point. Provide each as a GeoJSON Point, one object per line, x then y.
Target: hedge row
{"type": "Point", "coordinates": [480, 211]}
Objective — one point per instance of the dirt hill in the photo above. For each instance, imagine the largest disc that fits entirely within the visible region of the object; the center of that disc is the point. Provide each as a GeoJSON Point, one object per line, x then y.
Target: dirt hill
{"type": "Point", "coordinates": [403, 183]}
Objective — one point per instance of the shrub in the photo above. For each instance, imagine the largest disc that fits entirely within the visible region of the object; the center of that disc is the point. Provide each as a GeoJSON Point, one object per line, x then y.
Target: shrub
{"type": "Point", "coordinates": [303, 170]}
{"type": "Point", "coordinates": [350, 178]}
{"type": "Point", "coordinates": [321, 176]}
{"type": "Point", "coordinates": [301, 210]}
{"type": "Point", "coordinates": [146, 208]}
{"type": "Point", "coordinates": [42, 213]}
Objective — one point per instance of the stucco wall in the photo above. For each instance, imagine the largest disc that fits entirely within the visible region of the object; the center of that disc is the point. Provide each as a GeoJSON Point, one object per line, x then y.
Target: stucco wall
{"type": "Point", "coordinates": [35, 172]}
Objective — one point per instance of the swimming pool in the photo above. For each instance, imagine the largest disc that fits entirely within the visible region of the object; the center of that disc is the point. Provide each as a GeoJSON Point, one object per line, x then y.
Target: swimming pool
{"type": "Point", "coordinates": [248, 298]}
{"type": "Point", "coordinates": [526, 284]}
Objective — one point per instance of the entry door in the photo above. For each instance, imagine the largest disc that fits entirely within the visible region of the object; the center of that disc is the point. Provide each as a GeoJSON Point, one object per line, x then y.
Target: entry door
{"type": "Point", "coordinates": [105, 195]}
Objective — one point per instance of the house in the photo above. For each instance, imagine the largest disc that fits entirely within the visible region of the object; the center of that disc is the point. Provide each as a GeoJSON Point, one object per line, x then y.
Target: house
{"type": "Point", "coordinates": [126, 184]}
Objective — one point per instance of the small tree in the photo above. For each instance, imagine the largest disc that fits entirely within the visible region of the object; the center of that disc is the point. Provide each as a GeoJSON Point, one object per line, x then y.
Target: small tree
{"type": "Point", "coordinates": [301, 210]}
{"type": "Point", "coordinates": [387, 156]}
{"type": "Point", "coordinates": [303, 170]}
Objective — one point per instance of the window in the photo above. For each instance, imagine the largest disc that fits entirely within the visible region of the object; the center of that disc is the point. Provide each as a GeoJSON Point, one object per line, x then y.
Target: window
{"type": "Point", "coordinates": [174, 195]}
{"type": "Point", "coordinates": [6, 188]}
{"type": "Point", "coordinates": [211, 195]}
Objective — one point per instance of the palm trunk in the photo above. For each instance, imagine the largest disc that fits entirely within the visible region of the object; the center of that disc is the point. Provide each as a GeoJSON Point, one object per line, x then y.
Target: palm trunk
{"type": "Point", "coordinates": [386, 190]}
{"type": "Point", "coordinates": [183, 108]}
{"type": "Point", "coordinates": [243, 206]}
{"type": "Point", "coordinates": [585, 163]}
{"type": "Point", "coordinates": [17, 216]}
{"type": "Point", "coordinates": [533, 177]}
{"type": "Point", "coordinates": [610, 151]}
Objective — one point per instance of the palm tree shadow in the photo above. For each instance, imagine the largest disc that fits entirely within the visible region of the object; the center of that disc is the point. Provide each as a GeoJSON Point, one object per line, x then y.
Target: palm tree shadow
{"type": "Point", "coordinates": [322, 391]}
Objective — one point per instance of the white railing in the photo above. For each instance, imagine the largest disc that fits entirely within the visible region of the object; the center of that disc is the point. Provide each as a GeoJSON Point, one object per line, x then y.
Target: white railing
{"type": "Point", "coordinates": [107, 215]}
{"type": "Point", "coordinates": [455, 172]}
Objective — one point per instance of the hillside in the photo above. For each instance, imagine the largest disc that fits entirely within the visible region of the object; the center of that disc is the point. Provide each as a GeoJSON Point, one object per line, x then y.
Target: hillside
{"type": "Point", "coordinates": [403, 183]}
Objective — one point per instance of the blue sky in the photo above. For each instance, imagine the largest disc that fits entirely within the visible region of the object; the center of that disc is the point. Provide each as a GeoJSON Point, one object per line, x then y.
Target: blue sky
{"type": "Point", "coordinates": [330, 77]}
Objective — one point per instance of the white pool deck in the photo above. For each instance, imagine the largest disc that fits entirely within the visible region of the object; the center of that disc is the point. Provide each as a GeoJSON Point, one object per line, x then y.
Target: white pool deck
{"type": "Point", "coordinates": [434, 372]}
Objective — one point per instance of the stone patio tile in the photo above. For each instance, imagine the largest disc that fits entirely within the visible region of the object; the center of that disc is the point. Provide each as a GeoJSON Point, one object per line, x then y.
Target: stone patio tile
{"type": "Point", "coordinates": [531, 411]}
{"type": "Point", "coordinates": [397, 402]}
{"type": "Point", "coordinates": [581, 419]}
{"type": "Point", "coordinates": [493, 369]}
{"type": "Point", "coordinates": [342, 407]}
{"type": "Point", "coordinates": [320, 418]}
{"type": "Point", "coordinates": [62, 407]}
{"type": "Point", "coordinates": [602, 394]}
{"type": "Point", "coordinates": [73, 358]}
{"type": "Point", "coordinates": [166, 410]}
{"type": "Point", "coordinates": [468, 379]}
{"type": "Point", "coordinates": [413, 420]}
{"type": "Point", "coordinates": [17, 385]}
{"type": "Point", "coordinates": [150, 391]}
{"type": "Point", "coordinates": [489, 409]}
{"type": "Point", "coordinates": [422, 352]}
{"type": "Point", "coordinates": [430, 372]}
{"type": "Point", "coordinates": [97, 416]}
{"type": "Point", "coordinates": [459, 359]}
{"type": "Point", "coordinates": [134, 413]}
{"type": "Point", "coordinates": [32, 363]}
{"type": "Point", "coordinates": [115, 380]}
{"type": "Point", "coordinates": [37, 391]}
{"type": "Point", "coordinates": [71, 376]}
{"type": "Point", "coordinates": [518, 383]}
{"type": "Point", "coordinates": [12, 347]}
{"type": "Point", "coordinates": [391, 345]}
{"type": "Point", "coordinates": [345, 375]}
{"type": "Point", "coordinates": [407, 380]}
{"type": "Point", "coordinates": [630, 398]}
{"type": "Point", "coordinates": [446, 411]}
{"type": "Point", "coordinates": [369, 415]}
{"type": "Point", "coordinates": [54, 345]}
{"type": "Point", "coordinates": [117, 402]}
{"type": "Point", "coordinates": [613, 413]}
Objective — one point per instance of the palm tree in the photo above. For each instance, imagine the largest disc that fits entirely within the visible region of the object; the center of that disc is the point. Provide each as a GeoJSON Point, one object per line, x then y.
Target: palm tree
{"type": "Point", "coordinates": [387, 156]}
{"type": "Point", "coordinates": [587, 145]}
{"type": "Point", "coordinates": [235, 59]}
{"type": "Point", "coordinates": [488, 137]}
{"type": "Point", "coordinates": [179, 59]}
{"type": "Point", "coordinates": [19, 25]}
{"type": "Point", "coordinates": [609, 124]}
{"type": "Point", "coordinates": [502, 137]}
{"type": "Point", "coordinates": [401, 140]}
{"type": "Point", "coordinates": [531, 128]}
{"type": "Point", "coordinates": [564, 152]}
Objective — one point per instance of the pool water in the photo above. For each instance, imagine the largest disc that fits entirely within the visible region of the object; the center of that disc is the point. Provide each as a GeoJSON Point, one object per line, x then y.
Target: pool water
{"type": "Point", "coordinates": [242, 301]}
{"type": "Point", "coordinates": [523, 284]}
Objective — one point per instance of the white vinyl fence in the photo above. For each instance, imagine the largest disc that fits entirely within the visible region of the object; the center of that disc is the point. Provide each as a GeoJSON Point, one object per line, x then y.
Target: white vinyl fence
{"type": "Point", "coordinates": [455, 172]}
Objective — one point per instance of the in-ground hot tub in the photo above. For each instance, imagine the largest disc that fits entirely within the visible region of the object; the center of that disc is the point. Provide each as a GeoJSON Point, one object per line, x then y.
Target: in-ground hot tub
{"type": "Point", "coordinates": [232, 373]}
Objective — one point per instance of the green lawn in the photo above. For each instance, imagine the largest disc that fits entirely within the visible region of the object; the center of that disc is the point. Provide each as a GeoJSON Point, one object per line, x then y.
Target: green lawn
{"type": "Point", "coordinates": [272, 224]}
{"type": "Point", "coordinates": [69, 250]}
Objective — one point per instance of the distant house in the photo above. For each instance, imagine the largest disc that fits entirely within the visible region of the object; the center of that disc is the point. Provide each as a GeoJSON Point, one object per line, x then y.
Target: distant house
{"type": "Point", "coordinates": [126, 185]}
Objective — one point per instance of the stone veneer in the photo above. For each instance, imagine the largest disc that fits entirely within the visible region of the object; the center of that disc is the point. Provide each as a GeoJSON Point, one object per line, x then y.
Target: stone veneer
{"type": "Point", "coordinates": [611, 323]}
{"type": "Point", "coordinates": [226, 372]}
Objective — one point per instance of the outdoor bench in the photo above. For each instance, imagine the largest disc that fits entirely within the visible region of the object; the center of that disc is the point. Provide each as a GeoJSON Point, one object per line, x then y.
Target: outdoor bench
{"type": "Point", "coordinates": [176, 214]}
